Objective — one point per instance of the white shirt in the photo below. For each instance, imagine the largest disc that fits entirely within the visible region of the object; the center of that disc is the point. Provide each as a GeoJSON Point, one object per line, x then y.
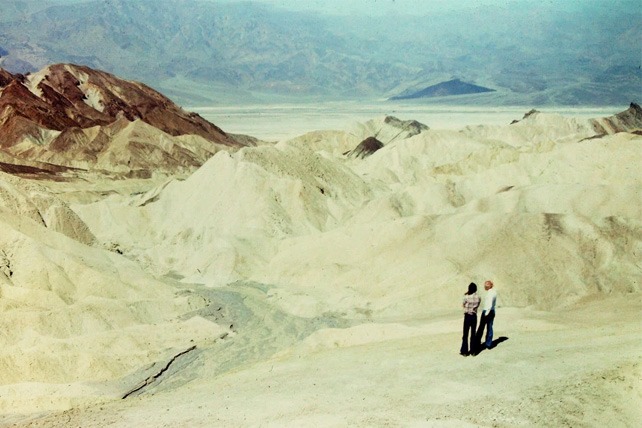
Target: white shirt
{"type": "Point", "coordinates": [489, 300]}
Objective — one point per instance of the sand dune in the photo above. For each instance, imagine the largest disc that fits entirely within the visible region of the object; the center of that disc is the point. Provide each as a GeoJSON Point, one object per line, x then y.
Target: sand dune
{"type": "Point", "coordinates": [322, 289]}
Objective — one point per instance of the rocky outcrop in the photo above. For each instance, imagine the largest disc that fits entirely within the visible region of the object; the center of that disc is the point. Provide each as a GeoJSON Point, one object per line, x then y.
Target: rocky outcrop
{"type": "Point", "coordinates": [387, 129]}
{"type": "Point", "coordinates": [629, 120]}
{"type": "Point", "coordinates": [33, 203]}
{"type": "Point", "coordinates": [5, 78]}
{"type": "Point", "coordinates": [366, 148]}
{"type": "Point", "coordinates": [71, 115]}
{"type": "Point", "coordinates": [409, 127]}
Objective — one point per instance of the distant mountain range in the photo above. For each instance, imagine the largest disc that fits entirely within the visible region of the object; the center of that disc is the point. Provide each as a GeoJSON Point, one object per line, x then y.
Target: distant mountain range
{"type": "Point", "coordinates": [443, 89]}
{"type": "Point", "coordinates": [209, 52]}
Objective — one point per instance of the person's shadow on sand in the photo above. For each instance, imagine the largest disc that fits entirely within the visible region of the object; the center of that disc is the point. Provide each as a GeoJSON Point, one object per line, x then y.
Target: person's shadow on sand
{"type": "Point", "coordinates": [493, 345]}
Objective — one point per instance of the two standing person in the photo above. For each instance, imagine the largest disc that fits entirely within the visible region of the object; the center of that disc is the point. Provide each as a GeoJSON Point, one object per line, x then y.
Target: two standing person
{"type": "Point", "coordinates": [471, 304]}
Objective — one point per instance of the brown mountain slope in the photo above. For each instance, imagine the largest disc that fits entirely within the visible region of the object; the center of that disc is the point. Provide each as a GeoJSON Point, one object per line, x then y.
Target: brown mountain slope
{"type": "Point", "coordinates": [629, 120]}
{"type": "Point", "coordinates": [71, 115]}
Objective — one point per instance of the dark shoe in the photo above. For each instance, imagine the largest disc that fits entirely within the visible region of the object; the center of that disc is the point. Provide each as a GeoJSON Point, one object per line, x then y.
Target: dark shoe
{"type": "Point", "coordinates": [463, 354]}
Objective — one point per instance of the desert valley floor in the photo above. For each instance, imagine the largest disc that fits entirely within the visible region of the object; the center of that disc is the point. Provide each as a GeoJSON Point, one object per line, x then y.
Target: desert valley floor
{"type": "Point", "coordinates": [318, 282]}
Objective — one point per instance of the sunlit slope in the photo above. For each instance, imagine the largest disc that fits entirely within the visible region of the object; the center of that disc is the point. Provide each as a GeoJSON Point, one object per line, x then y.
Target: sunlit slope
{"type": "Point", "coordinates": [71, 312]}
{"type": "Point", "coordinates": [548, 207]}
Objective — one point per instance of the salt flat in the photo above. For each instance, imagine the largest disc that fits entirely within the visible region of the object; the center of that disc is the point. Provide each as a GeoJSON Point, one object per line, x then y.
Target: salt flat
{"type": "Point", "coordinates": [292, 285]}
{"type": "Point", "coordinates": [274, 122]}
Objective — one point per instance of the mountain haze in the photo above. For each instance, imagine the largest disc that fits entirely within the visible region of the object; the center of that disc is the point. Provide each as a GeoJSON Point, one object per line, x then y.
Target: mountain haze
{"type": "Point", "coordinates": [533, 53]}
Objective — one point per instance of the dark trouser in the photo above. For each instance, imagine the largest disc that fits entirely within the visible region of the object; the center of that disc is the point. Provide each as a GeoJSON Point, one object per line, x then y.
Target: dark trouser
{"type": "Point", "coordinates": [470, 324]}
{"type": "Point", "coordinates": [485, 321]}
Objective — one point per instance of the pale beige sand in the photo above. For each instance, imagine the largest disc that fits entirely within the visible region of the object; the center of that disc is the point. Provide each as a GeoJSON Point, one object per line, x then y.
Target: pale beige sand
{"type": "Point", "coordinates": [578, 367]}
{"type": "Point", "coordinates": [287, 285]}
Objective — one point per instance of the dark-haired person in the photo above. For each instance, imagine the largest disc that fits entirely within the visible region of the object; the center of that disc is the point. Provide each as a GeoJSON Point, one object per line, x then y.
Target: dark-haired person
{"type": "Point", "coordinates": [487, 316]}
{"type": "Point", "coordinates": [470, 305]}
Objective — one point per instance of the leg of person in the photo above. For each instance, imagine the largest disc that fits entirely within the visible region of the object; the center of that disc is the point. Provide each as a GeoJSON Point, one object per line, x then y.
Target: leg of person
{"type": "Point", "coordinates": [464, 339]}
{"type": "Point", "coordinates": [489, 329]}
{"type": "Point", "coordinates": [479, 334]}
{"type": "Point", "coordinates": [473, 332]}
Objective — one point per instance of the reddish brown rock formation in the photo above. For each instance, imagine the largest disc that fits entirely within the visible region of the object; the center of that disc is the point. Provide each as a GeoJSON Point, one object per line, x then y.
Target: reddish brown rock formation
{"type": "Point", "coordinates": [629, 120]}
{"type": "Point", "coordinates": [5, 78]}
{"type": "Point", "coordinates": [78, 111]}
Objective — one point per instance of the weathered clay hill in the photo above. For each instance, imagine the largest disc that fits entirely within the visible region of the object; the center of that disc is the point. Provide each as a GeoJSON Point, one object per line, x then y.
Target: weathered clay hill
{"type": "Point", "coordinates": [294, 284]}
{"type": "Point", "coordinates": [76, 117]}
